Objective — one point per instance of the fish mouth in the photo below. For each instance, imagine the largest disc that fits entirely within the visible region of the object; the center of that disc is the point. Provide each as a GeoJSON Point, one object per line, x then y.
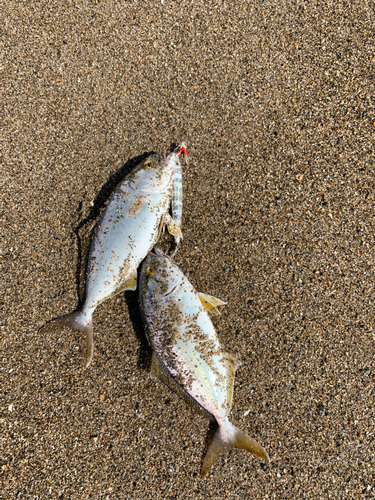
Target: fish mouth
{"type": "Point", "coordinates": [172, 290]}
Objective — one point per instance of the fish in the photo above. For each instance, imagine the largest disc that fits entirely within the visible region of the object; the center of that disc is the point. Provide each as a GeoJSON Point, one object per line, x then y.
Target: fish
{"type": "Point", "coordinates": [187, 355]}
{"type": "Point", "coordinates": [129, 228]}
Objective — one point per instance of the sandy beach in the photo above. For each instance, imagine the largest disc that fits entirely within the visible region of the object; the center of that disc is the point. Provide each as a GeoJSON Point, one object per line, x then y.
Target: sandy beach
{"type": "Point", "coordinates": [276, 103]}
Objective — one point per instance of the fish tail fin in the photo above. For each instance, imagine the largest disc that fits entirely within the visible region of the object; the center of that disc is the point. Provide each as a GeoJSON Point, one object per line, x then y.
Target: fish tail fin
{"type": "Point", "coordinates": [80, 322]}
{"type": "Point", "coordinates": [231, 437]}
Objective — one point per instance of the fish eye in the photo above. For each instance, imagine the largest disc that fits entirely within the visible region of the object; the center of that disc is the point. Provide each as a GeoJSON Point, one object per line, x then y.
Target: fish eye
{"type": "Point", "coordinates": [148, 164]}
{"type": "Point", "coordinates": [150, 271]}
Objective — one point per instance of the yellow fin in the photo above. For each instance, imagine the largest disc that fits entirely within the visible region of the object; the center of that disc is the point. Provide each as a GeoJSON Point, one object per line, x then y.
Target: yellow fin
{"type": "Point", "coordinates": [130, 283]}
{"type": "Point", "coordinates": [232, 365]}
{"type": "Point", "coordinates": [174, 229]}
{"type": "Point", "coordinates": [156, 370]}
{"type": "Point", "coordinates": [210, 303]}
{"type": "Point", "coordinates": [161, 227]}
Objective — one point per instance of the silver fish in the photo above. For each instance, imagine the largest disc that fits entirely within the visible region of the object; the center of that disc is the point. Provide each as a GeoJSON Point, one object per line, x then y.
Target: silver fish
{"type": "Point", "coordinates": [187, 355]}
{"type": "Point", "coordinates": [129, 228]}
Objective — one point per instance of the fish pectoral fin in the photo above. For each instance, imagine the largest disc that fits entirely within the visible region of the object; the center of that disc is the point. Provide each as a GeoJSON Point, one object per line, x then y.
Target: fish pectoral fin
{"type": "Point", "coordinates": [135, 207]}
{"type": "Point", "coordinates": [210, 303]}
{"type": "Point", "coordinates": [174, 230]}
{"type": "Point", "coordinates": [160, 371]}
{"type": "Point", "coordinates": [129, 284]}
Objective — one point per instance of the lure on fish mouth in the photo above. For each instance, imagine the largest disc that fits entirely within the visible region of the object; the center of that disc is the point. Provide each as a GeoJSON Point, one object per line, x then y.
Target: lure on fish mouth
{"type": "Point", "coordinates": [176, 204]}
{"type": "Point", "coordinates": [187, 355]}
{"type": "Point", "coordinates": [128, 229]}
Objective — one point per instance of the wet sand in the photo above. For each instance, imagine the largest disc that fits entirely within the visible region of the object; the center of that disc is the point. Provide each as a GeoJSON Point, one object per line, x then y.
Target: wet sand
{"type": "Point", "coordinates": [276, 103]}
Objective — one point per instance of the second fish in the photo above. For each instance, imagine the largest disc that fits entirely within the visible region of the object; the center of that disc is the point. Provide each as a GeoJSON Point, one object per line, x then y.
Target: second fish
{"type": "Point", "coordinates": [187, 355]}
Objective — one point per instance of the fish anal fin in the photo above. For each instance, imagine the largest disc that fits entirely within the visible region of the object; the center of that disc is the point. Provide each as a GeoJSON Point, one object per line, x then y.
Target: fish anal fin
{"type": "Point", "coordinates": [129, 284]}
{"type": "Point", "coordinates": [233, 362]}
{"type": "Point", "coordinates": [156, 371]}
{"type": "Point", "coordinates": [232, 365]}
{"type": "Point", "coordinates": [159, 371]}
{"type": "Point", "coordinates": [161, 227]}
{"type": "Point", "coordinates": [210, 303]}
{"type": "Point", "coordinates": [84, 261]}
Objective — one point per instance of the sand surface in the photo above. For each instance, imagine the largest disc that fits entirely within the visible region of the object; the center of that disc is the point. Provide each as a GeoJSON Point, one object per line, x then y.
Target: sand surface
{"type": "Point", "coordinates": [275, 101]}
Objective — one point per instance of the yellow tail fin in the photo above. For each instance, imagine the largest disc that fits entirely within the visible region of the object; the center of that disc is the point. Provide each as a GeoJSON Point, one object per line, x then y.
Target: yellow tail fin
{"type": "Point", "coordinates": [231, 437]}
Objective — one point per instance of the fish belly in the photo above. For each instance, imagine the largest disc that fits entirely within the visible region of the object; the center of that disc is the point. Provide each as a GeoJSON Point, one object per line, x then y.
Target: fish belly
{"type": "Point", "coordinates": [205, 376]}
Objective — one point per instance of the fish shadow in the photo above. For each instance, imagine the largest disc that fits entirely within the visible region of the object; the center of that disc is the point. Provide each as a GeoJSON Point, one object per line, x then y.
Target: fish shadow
{"type": "Point", "coordinates": [212, 428]}
{"type": "Point", "coordinates": [145, 351]}
{"type": "Point", "coordinates": [100, 201]}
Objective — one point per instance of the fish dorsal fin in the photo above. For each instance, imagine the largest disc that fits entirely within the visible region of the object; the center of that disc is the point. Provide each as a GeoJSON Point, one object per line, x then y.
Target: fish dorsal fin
{"type": "Point", "coordinates": [210, 303]}
{"type": "Point", "coordinates": [160, 371]}
{"type": "Point", "coordinates": [232, 365]}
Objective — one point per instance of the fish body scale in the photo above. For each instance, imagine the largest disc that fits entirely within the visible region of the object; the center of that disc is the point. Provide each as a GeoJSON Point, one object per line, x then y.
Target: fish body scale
{"type": "Point", "coordinates": [127, 231]}
{"type": "Point", "coordinates": [187, 353]}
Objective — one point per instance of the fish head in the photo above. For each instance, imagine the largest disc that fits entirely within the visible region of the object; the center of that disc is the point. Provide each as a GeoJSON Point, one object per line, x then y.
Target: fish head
{"type": "Point", "coordinates": [155, 173]}
{"type": "Point", "coordinates": [159, 277]}
{"type": "Point", "coordinates": [152, 175]}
